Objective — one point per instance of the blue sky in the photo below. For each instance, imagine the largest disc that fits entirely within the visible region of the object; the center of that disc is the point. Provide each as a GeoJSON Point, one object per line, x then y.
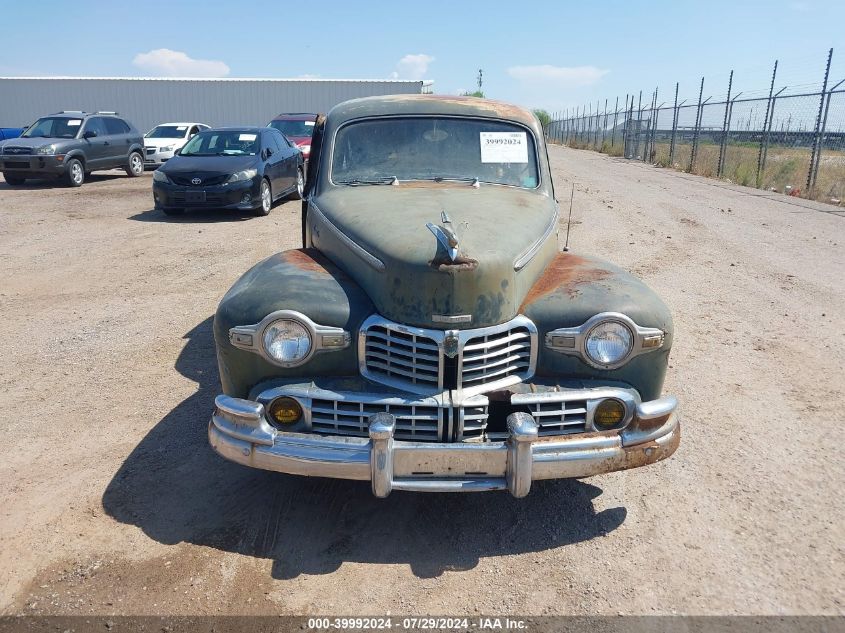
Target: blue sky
{"type": "Point", "coordinates": [539, 54]}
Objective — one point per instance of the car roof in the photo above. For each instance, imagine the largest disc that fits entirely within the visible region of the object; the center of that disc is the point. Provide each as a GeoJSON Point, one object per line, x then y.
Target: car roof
{"type": "Point", "coordinates": [428, 105]}
{"type": "Point", "coordinates": [177, 123]}
{"type": "Point", "coordinates": [242, 128]}
{"type": "Point", "coordinates": [295, 116]}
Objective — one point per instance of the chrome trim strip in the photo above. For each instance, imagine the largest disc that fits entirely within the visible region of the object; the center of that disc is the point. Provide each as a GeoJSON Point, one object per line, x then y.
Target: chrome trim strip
{"type": "Point", "coordinates": [356, 248]}
{"type": "Point", "coordinates": [324, 338]}
{"type": "Point", "coordinates": [572, 340]}
{"type": "Point", "coordinates": [528, 254]}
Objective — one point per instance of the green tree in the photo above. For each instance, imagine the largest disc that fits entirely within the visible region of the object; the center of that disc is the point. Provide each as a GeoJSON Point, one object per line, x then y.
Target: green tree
{"type": "Point", "coordinates": [544, 117]}
{"type": "Point", "coordinates": [477, 93]}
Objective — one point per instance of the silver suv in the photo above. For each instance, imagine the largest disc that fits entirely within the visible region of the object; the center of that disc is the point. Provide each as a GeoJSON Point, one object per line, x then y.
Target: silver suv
{"type": "Point", "coordinates": [70, 145]}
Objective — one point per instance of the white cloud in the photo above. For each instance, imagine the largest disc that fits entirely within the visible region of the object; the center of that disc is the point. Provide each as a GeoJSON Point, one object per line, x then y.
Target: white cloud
{"type": "Point", "coordinates": [568, 75]}
{"type": "Point", "coordinates": [412, 67]}
{"type": "Point", "coordinates": [167, 63]}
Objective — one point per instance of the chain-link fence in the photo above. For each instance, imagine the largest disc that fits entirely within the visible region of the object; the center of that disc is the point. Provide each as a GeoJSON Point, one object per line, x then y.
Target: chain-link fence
{"type": "Point", "coordinates": [791, 140]}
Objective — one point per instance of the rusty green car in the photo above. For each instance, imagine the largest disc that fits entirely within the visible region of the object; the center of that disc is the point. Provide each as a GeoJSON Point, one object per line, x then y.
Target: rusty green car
{"type": "Point", "coordinates": [430, 335]}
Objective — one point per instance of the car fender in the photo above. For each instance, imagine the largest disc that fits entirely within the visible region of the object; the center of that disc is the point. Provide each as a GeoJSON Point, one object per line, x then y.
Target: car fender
{"type": "Point", "coordinates": [302, 280]}
{"type": "Point", "coordinates": [574, 288]}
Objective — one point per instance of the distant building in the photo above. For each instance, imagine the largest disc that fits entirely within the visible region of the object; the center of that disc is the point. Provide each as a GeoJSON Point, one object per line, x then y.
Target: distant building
{"type": "Point", "coordinates": [217, 102]}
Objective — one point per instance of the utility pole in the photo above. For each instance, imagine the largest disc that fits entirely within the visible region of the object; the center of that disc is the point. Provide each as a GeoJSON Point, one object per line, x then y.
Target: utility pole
{"type": "Point", "coordinates": [480, 77]}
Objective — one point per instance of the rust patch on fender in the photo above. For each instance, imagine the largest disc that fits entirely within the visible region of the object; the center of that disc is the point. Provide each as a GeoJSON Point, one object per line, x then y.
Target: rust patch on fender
{"type": "Point", "coordinates": [307, 259]}
{"type": "Point", "coordinates": [460, 264]}
{"type": "Point", "coordinates": [564, 274]}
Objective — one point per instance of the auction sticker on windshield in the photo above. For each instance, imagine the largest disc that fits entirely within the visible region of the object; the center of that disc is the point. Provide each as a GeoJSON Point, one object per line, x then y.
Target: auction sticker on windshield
{"type": "Point", "coordinates": [246, 137]}
{"type": "Point", "coordinates": [74, 122]}
{"type": "Point", "coordinates": [504, 147]}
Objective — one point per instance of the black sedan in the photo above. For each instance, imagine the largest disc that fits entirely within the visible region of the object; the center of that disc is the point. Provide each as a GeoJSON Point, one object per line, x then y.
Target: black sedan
{"type": "Point", "coordinates": [230, 168]}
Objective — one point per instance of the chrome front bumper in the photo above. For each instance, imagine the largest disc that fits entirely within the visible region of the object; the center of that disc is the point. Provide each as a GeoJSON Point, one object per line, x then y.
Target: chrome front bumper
{"type": "Point", "coordinates": [239, 431]}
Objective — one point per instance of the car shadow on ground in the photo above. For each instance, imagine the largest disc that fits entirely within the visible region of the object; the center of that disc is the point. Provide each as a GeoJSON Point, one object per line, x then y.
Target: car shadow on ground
{"type": "Point", "coordinates": [59, 183]}
{"type": "Point", "coordinates": [198, 216]}
{"type": "Point", "coordinates": [175, 488]}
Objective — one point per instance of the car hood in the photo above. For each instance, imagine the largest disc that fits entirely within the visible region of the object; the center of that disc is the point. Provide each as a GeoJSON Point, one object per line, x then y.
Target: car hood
{"type": "Point", "coordinates": [378, 235]}
{"type": "Point", "coordinates": [34, 142]}
{"type": "Point", "coordinates": [208, 164]}
{"type": "Point", "coordinates": [161, 141]}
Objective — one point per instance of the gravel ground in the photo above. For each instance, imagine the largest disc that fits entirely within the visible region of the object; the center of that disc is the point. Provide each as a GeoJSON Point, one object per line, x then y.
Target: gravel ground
{"type": "Point", "coordinates": [113, 503]}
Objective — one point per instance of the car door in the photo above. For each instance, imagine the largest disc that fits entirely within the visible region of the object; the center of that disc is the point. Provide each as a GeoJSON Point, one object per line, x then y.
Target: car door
{"type": "Point", "coordinates": [96, 145]}
{"type": "Point", "coordinates": [272, 163]}
{"type": "Point", "coordinates": [120, 139]}
{"type": "Point", "coordinates": [290, 155]}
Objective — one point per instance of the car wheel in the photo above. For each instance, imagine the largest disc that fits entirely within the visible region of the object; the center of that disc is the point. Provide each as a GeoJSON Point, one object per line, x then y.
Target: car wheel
{"type": "Point", "coordinates": [266, 199]}
{"type": "Point", "coordinates": [14, 181]}
{"type": "Point", "coordinates": [136, 165]}
{"type": "Point", "coordinates": [75, 174]}
{"type": "Point", "coordinates": [300, 185]}
{"type": "Point", "coordinates": [173, 211]}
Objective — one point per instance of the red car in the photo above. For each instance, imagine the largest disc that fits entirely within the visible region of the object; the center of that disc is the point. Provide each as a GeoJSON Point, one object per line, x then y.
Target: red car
{"type": "Point", "coordinates": [298, 127]}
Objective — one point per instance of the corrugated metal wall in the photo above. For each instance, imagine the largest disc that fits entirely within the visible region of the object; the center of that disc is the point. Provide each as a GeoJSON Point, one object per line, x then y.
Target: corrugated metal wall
{"type": "Point", "coordinates": [147, 102]}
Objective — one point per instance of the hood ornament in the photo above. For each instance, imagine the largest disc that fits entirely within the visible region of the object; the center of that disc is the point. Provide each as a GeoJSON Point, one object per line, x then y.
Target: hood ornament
{"type": "Point", "coordinates": [445, 234]}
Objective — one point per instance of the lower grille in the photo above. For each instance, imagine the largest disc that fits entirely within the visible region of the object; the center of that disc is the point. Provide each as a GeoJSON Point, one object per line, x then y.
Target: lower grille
{"type": "Point", "coordinates": [474, 420]}
{"type": "Point", "coordinates": [417, 422]}
{"type": "Point", "coordinates": [560, 418]}
{"type": "Point", "coordinates": [13, 164]}
{"type": "Point", "coordinates": [151, 151]}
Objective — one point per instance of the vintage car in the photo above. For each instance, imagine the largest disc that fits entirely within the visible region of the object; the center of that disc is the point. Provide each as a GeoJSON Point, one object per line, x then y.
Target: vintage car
{"type": "Point", "coordinates": [430, 335]}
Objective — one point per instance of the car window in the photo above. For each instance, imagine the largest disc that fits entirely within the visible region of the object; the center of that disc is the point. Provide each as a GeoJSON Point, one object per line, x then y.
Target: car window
{"type": "Point", "coordinates": [434, 148]}
{"type": "Point", "coordinates": [95, 124]}
{"type": "Point", "coordinates": [167, 131]}
{"type": "Point", "coordinates": [115, 126]}
{"type": "Point", "coordinates": [294, 128]}
{"type": "Point", "coordinates": [223, 143]}
{"type": "Point", "coordinates": [193, 131]}
{"type": "Point", "coordinates": [280, 142]}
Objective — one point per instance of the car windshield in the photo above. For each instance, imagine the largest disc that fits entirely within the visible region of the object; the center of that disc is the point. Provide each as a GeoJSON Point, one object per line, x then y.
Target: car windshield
{"type": "Point", "coordinates": [222, 143]}
{"type": "Point", "coordinates": [167, 131]}
{"type": "Point", "coordinates": [294, 128]}
{"type": "Point", "coordinates": [431, 148]}
{"type": "Point", "coordinates": [54, 127]}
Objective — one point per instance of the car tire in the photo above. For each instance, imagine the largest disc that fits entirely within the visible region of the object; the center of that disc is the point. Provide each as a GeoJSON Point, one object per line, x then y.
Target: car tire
{"type": "Point", "coordinates": [299, 192]}
{"type": "Point", "coordinates": [173, 211]}
{"type": "Point", "coordinates": [135, 166]}
{"type": "Point", "coordinates": [265, 198]}
{"type": "Point", "coordinates": [74, 173]}
{"type": "Point", "coordinates": [14, 181]}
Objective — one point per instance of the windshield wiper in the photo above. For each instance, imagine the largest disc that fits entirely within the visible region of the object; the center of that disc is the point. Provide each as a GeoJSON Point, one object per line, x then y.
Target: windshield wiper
{"type": "Point", "coordinates": [386, 180]}
{"type": "Point", "coordinates": [475, 182]}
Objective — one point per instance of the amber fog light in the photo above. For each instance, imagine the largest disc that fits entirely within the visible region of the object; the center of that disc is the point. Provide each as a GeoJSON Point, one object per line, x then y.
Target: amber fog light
{"type": "Point", "coordinates": [285, 410]}
{"type": "Point", "coordinates": [608, 413]}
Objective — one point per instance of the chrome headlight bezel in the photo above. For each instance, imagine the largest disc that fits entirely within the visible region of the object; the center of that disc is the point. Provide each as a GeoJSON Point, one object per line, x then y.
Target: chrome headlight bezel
{"type": "Point", "coordinates": [46, 150]}
{"type": "Point", "coordinates": [573, 341]}
{"type": "Point", "coordinates": [323, 338]}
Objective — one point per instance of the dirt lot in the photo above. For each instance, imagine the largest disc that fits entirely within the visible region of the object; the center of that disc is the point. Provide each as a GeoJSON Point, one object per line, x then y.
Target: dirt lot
{"type": "Point", "coordinates": [113, 503]}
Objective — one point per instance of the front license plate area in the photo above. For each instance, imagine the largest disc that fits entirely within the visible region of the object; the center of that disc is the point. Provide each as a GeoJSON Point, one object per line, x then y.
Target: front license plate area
{"type": "Point", "coordinates": [195, 196]}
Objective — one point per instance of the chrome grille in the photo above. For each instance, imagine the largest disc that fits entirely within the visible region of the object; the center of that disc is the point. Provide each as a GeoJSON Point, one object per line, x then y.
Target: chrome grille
{"type": "Point", "coordinates": [414, 358]}
{"type": "Point", "coordinates": [559, 418]}
{"type": "Point", "coordinates": [397, 356]}
{"type": "Point", "coordinates": [15, 149]}
{"type": "Point", "coordinates": [418, 422]}
{"type": "Point", "coordinates": [494, 356]}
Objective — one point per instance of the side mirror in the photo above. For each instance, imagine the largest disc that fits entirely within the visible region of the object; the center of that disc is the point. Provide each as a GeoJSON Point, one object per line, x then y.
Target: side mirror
{"type": "Point", "coordinates": [177, 151]}
{"type": "Point", "coordinates": [89, 134]}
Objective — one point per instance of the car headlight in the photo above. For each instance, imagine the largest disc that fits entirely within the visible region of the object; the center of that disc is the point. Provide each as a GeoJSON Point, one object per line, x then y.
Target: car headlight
{"type": "Point", "coordinates": [160, 176]}
{"type": "Point", "coordinates": [608, 343]}
{"type": "Point", "coordinates": [245, 174]}
{"type": "Point", "coordinates": [166, 149]}
{"type": "Point", "coordinates": [305, 149]}
{"type": "Point", "coordinates": [46, 149]}
{"type": "Point", "coordinates": [287, 341]}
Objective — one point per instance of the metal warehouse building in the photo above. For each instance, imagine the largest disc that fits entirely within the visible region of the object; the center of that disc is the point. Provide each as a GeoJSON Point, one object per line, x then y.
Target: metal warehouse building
{"type": "Point", "coordinates": [217, 102]}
